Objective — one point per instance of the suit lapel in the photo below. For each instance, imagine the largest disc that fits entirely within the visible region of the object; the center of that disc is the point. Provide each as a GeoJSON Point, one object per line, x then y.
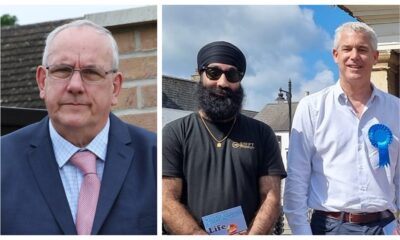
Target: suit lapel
{"type": "Point", "coordinates": [45, 169]}
{"type": "Point", "coordinates": [119, 158]}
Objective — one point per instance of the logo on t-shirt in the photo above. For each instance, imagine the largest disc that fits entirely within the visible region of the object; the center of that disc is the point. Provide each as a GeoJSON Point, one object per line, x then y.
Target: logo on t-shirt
{"type": "Point", "coordinates": [245, 145]}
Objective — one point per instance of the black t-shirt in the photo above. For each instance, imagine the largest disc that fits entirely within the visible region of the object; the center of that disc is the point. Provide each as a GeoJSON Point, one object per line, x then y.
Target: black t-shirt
{"type": "Point", "coordinates": [215, 179]}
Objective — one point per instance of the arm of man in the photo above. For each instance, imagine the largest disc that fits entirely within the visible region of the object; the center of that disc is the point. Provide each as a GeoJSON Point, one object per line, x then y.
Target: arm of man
{"type": "Point", "coordinates": [174, 213]}
{"type": "Point", "coordinates": [270, 194]}
{"type": "Point", "coordinates": [299, 170]}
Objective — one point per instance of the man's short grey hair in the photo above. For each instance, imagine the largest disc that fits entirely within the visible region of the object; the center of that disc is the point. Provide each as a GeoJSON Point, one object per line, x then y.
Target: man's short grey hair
{"type": "Point", "coordinates": [356, 27]}
{"type": "Point", "coordinates": [78, 24]}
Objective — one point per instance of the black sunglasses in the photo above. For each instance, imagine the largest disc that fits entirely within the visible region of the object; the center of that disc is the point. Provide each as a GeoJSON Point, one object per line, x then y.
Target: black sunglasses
{"type": "Point", "coordinates": [232, 75]}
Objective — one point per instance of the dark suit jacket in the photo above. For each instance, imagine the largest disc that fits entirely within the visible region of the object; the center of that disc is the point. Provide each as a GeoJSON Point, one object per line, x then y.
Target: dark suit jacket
{"type": "Point", "coordinates": [33, 200]}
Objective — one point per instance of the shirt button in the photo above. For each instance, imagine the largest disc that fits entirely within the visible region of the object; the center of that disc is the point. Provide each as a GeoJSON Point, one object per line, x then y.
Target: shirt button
{"type": "Point", "coordinates": [364, 188]}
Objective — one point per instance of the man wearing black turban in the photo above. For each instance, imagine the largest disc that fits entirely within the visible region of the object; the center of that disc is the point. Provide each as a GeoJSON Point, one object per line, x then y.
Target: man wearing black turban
{"type": "Point", "coordinates": [217, 158]}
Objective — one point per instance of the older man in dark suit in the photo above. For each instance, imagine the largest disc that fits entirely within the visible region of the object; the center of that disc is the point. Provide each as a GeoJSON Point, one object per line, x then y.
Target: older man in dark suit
{"type": "Point", "coordinates": [80, 170]}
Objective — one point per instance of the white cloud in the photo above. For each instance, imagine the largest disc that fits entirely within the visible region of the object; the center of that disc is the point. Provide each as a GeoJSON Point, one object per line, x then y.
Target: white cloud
{"type": "Point", "coordinates": [321, 80]}
{"type": "Point", "coordinates": [273, 38]}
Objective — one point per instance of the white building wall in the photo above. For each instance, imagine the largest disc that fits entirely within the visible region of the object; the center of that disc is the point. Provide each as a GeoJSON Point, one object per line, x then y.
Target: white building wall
{"type": "Point", "coordinates": [284, 145]}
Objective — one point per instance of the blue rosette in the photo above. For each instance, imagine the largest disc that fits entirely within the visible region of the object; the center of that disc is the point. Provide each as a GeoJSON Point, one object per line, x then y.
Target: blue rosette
{"type": "Point", "coordinates": [380, 137]}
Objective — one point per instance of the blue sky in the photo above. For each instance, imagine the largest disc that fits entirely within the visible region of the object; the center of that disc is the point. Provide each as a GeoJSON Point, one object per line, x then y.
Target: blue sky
{"type": "Point", "coordinates": [280, 42]}
{"type": "Point", "coordinates": [328, 18]}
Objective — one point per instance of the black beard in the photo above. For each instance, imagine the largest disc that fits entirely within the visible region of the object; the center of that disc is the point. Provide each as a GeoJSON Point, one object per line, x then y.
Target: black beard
{"type": "Point", "coordinates": [218, 107]}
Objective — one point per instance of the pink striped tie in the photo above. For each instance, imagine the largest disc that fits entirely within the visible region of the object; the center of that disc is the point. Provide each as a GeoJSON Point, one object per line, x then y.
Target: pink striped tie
{"type": "Point", "coordinates": [89, 193]}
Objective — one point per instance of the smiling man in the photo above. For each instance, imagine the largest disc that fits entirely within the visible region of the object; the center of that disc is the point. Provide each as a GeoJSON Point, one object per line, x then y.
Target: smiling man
{"type": "Point", "coordinates": [80, 170]}
{"type": "Point", "coordinates": [344, 154]}
{"type": "Point", "coordinates": [217, 158]}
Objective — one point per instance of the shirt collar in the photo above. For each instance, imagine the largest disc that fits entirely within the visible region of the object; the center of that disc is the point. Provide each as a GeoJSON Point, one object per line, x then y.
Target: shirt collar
{"type": "Point", "coordinates": [63, 149]}
{"type": "Point", "coordinates": [341, 96]}
{"type": "Point", "coordinates": [375, 94]}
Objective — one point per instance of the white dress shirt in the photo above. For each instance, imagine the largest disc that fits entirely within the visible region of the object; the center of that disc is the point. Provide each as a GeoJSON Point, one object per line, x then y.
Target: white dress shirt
{"type": "Point", "coordinates": [332, 165]}
{"type": "Point", "coordinates": [71, 176]}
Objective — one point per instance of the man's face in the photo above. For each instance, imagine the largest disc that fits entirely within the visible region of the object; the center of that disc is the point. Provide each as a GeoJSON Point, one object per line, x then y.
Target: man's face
{"type": "Point", "coordinates": [74, 104]}
{"type": "Point", "coordinates": [219, 99]}
{"type": "Point", "coordinates": [355, 56]}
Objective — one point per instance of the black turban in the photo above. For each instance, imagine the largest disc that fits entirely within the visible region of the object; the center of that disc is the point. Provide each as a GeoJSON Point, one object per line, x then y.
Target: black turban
{"type": "Point", "coordinates": [221, 52]}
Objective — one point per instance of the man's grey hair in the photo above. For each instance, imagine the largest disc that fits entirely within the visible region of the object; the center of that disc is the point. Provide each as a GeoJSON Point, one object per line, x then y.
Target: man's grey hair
{"type": "Point", "coordinates": [356, 27]}
{"type": "Point", "coordinates": [78, 24]}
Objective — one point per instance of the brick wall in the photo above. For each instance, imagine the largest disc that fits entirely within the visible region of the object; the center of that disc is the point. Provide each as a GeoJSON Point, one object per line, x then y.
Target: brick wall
{"type": "Point", "coordinates": [135, 30]}
{"type": "Point", "coordinates": [137, 102]}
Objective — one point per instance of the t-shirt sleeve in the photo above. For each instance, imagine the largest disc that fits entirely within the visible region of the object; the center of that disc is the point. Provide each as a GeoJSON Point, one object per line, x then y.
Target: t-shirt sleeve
{"type": "Point", "coordinates": [172, 151]}
{"type": "Point", "coordinates": [271, 160]}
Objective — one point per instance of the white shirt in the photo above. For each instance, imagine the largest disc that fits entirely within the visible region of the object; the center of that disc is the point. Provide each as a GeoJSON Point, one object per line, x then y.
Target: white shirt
{"type": "Point", "coordinates": [332, 165]}
{"type": "Point", "coordinates": [71, 176]}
